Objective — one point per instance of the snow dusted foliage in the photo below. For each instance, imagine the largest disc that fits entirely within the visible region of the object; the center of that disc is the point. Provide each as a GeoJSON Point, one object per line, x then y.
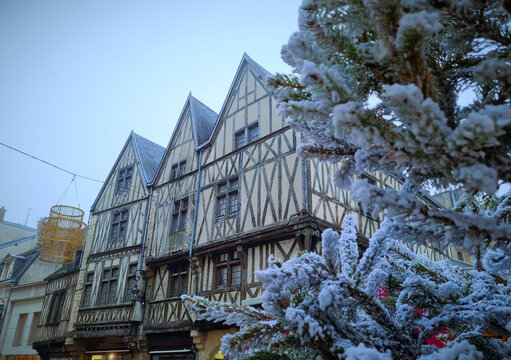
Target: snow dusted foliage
{"type": "Point", "coordinates": [391, 304]}
{"type": "Point", "coordinates": [376, 86]}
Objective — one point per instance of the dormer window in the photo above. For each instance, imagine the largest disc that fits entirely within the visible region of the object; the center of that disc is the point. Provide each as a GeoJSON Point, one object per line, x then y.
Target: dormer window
{"type": "Point", "coordinates": [6, 270]}
{"type": "Point", "coordinates": [246, 135]}
{"type": "Point", "coordinates": [178, 170]}
{"type": "Point", "coordinates": [124, 179]}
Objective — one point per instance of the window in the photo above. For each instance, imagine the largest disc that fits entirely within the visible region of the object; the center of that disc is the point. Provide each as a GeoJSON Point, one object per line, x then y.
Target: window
{"type": "Point", "coordinates": [460, 255]}
{"type": "Point", "coordinates": [228, 269]}
{"type": "Point", "coordinates": [239, 139]}
{"type": "Point", "coordinates": [22, 319]}
{"type": "Point", "coordinates": [246, 135]}
{"type": "Point", "coordinates": [87, 289]}
{"type": "Point", "coordinates": [108, 286]}
{"type": "Point", "coordinates": [131, 281]}
{"type": "Point", "coordinates": [178, 170]}
{"type": "Point", "coordinates": [33, 327]}
{"type": "Point", "coordinates": [177, 279]}
{"type": "Point", "coordinates": [179, 212]}
{"type": "Point", "coordinates": [227, 197]}
{"type": "Point", "coordinates": [119, 224]}
{"type": "Point", "coordinates": [124, 179]}
{"type": "Point", "coordinates": [56, 304]}
{"type": "Point", "coordinates": [253, 132]}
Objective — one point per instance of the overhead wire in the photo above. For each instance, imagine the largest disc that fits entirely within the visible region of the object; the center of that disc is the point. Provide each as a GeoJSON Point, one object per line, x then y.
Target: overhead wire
{"type": "Point", "coordinates": [49, 163]}
{"type": "Point", "coordinates": [66, 171]}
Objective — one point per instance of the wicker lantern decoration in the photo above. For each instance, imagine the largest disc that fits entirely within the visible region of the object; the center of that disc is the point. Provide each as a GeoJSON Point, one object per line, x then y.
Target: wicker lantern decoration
{"type": "Point", "coordinates": [61, 234]}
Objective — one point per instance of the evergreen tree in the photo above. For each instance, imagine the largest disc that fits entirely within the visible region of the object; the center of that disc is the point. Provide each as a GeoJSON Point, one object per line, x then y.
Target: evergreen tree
{"type": "Point", "coordinates": [378, 86]}
{"type": "Point", "coordinates": [419, 89]}
{"type": "Point", "coordinates": [391, 303]}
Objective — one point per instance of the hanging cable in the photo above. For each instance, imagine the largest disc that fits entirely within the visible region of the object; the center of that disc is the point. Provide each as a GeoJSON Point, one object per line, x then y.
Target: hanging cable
{"type": "Point", "coordinates": [76, 191]}
{"type": "Point", "coordinates": [48, 163]}
{"type": "Point", "coordinates": [65, 191]}
{"type": "Point", "coordinates": [67, 171]}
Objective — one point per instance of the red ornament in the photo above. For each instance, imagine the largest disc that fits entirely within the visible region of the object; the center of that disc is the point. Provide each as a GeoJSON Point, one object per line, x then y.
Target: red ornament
{"type": "Point", "coordinates": [383, 291]}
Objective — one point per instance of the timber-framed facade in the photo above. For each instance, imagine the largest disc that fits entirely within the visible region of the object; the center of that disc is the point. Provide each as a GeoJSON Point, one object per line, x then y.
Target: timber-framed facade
{"type": "Point", "coordinates": [199, 217]}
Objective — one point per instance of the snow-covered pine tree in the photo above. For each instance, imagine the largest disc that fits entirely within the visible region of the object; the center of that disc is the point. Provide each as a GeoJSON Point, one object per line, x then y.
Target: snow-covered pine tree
{"type": "Point", "coordinates": [416, 88]}
{"type": "Point", "coordinates": [420, 89]}
{"type": "Point", "coordinates": [390, 304]}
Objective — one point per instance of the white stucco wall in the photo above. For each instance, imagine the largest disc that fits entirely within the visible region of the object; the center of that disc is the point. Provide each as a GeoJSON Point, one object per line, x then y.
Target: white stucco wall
{"type": "Point", "coordinates": [25, 299]}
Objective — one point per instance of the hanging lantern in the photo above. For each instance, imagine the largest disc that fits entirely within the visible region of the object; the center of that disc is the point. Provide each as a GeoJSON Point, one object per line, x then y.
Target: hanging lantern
{"type": "Point", "coordinates": [61, 234]}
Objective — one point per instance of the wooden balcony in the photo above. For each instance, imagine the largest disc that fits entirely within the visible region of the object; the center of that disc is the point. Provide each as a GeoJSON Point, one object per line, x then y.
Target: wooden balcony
{"type": "Point", "coordinates": [168, 313]}
{"type": "Point", "coordinates": [111, 320]}
{"type": "Point", "coordinates": [104, 315]}
{"type": "Point", "coordinates": [48, 333]}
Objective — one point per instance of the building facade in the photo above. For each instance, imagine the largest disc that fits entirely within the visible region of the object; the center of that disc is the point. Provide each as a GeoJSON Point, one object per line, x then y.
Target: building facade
{"type": "Point", "coordinates": [199, 217]}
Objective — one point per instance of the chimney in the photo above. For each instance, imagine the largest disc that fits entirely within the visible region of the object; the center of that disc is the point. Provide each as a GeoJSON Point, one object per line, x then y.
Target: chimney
{"type": "Point", "coordinates": [2, 214]}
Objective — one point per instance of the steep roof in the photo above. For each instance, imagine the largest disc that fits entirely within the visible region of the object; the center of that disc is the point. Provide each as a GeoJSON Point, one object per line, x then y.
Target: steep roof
{"type": "Point", "coordinates": [203, 123]}
{"type": "Point", "coordinates": [203, 120]}
{"type": "Point", "coordinates": [261, 72]}
{"type": "Point", "coordinates": [149, 155]}
{"type": "Point", "coordinates": [21, 263]}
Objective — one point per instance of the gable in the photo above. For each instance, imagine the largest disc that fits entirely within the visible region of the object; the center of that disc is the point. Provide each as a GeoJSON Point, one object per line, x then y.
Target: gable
{"type": "Point", "coordinates": [248, 102]}
{"type": "Point", "coordinates": [109, 196]}
{"type": "Point", "coordinates": [181, 148]}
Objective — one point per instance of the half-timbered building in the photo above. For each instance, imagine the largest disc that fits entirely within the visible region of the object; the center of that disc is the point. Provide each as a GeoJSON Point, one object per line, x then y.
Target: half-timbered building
{"type": "Point", "coordinates": [243, 196]}
{"type": "Point", "coordinates": [199, 218]}
{"type": "Point", "coordinates": [104, 317]}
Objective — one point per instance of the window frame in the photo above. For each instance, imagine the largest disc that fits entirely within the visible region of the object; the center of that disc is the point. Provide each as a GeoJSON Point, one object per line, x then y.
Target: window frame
{"type": "Point", "coordinates": [246, 133]}
{"type": "Point", "coordinates": [124, 178]}
{"type": "Point", "coordinates": [227, 197]}
{"type": "Point", "coordinates": [130, 281]}
{"type": "Point", "coordinates": [179, 215]}
{"type": "Point", "coordinates": [177, 169]}
{"type": "Point", "coordinates": [109, 279]}
{"type": "Point", "coordinates": [87, 289]}
{"type": "Point", "coordinates": [55, 309]}
{"type": "Point", "coordinates": [227, 261]}
{"type": "Point", "coordinates": [178, 273]}
{"type": "Point", "coordinates": [118, 223]}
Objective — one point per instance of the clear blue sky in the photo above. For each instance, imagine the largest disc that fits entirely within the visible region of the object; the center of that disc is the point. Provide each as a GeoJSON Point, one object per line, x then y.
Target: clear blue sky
{"type": "Point", "coordinates": [77, 76]}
